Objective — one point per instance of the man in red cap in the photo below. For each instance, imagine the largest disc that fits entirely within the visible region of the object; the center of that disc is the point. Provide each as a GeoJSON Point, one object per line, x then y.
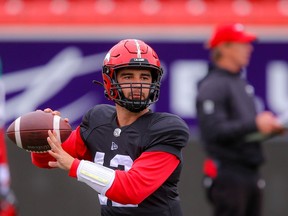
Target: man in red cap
{"type": "Point", "coordinates": [227, 114]}
{"type": "Point", "coordinates": [230, 33]}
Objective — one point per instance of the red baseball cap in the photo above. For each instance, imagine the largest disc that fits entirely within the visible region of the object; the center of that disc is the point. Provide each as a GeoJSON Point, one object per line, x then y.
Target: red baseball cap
{"type": "Point", "coordinates": [230, 33]}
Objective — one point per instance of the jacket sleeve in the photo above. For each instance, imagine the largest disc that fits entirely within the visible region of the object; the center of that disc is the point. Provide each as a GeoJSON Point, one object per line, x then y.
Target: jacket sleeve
{"type": "Point", "coordinates": [216, 116]}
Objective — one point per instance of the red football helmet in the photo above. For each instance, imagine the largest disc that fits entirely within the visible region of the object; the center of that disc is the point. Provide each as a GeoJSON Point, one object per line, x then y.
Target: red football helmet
{"type": "Point", "coordinates": [131, 53]}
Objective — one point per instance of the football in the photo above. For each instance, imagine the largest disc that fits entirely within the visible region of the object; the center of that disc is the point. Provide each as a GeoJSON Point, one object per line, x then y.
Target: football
{"type": "Point", "coordinates": [30, 131]}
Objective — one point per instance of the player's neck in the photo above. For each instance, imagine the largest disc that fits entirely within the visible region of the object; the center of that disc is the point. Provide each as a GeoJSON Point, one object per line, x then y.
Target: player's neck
{"type": "Point", "coordinates": [125, 117]}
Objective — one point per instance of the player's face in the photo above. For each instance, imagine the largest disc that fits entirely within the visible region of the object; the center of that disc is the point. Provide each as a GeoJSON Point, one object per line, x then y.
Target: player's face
{"type": "Point", "coordinates": [135, 83]}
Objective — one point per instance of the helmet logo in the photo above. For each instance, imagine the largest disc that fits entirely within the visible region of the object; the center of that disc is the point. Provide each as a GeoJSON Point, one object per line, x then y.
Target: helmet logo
{"type": "Point", "coordinates": [138, 49]}
{"type": "Point", "coordinates": [107, 57]}
{"type": "Point", "coordinates": [138, 60]}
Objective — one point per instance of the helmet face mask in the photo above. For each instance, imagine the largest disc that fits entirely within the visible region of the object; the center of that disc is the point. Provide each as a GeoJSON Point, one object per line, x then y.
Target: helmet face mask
{"type": "Point", "coordinates": [131, 54]}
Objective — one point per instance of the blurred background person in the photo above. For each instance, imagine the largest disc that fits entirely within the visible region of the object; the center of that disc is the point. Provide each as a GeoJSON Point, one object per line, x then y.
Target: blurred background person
{"type": "Point", "coordinates": [227, 114]}
{"type": "Point", "coordinates": [7, 198]}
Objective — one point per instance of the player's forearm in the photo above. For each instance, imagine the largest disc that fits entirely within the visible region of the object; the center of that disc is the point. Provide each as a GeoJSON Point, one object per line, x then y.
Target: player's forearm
{"type": "Point", "coordinates": [98, 177]}
{"type": "Point", "coordinates": [131, 188]}
{"type": "Point", "coordinates": [147, 174]}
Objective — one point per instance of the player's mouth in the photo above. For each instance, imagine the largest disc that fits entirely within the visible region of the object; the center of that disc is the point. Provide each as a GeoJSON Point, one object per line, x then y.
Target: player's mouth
{"type": "Point", "coordinates": [136, 96]}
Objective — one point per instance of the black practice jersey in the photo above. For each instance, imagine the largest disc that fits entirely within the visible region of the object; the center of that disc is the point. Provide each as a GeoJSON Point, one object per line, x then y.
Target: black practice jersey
{"type": "Point", "coordinates": [226, 113]}
{"type": "Point", "coordinates": [117, 148]}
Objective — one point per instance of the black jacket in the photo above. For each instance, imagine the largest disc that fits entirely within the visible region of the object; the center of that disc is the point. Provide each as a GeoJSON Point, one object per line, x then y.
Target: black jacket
{"type": "Point", "coordinates": [226, 114]}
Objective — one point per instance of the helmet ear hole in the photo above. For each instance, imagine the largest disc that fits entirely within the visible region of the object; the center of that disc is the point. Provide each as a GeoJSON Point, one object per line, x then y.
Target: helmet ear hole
{"type": "Point", "coordinates": [105, 70]}
{"type": "Point", "coordinates": [106, 94]}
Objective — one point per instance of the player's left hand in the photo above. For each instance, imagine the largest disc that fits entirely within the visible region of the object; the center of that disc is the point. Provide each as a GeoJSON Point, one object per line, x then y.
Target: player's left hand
{"type": "Point", "coordinates": [63, 159]}
{"type": "Point", "coordinates": [55, 112]}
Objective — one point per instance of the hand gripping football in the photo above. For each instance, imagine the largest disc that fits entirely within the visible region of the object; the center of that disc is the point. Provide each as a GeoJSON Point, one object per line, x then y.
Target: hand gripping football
{"type": "Point", "coordinates": [30, 131]}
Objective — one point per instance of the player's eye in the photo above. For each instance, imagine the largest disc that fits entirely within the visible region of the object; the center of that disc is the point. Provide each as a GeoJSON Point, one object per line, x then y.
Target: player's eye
{"type": "Point", "coordinates": [146, 77]}
{"type": "Point", "coordinates": [127, 77]}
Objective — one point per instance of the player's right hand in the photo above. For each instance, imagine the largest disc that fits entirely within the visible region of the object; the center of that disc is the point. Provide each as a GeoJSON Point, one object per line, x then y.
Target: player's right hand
{"type": "Point", "coordinates": [63, 159]}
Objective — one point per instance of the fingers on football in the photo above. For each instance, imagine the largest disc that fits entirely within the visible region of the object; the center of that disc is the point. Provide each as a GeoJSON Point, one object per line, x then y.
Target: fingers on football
{"type": "Point", "coordinates": [54, 112]}
{"type": "Point", "coordinates": [52, 140]}
{"type": "Point", "coordinates": [48, 110]}
{"type": "Point", "coordinates": [53, 137]}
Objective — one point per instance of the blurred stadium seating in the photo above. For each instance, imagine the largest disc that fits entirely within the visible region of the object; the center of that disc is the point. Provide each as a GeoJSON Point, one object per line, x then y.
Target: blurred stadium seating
{"type": "Point", "coordinates": [155, 12]}
{"type": "Point", "coordinates": [16, 15]}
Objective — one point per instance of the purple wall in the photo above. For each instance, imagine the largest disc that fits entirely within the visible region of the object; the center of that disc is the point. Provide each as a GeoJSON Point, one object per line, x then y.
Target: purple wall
{"type": "Point", "coordinates": [59, 75]}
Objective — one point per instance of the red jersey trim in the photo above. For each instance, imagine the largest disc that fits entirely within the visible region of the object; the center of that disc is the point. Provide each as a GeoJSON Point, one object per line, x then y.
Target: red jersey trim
{"type": "Point", "coordinates": [74, 167]}
{"type": "Point", "coordinates": [147, 174]}
{"type": "Point", "coordinates": [3, 152]}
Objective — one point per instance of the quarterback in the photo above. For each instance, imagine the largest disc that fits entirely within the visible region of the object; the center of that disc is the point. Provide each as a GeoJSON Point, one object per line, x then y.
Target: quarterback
{"type": "Point", "coordinates": [127, 153]}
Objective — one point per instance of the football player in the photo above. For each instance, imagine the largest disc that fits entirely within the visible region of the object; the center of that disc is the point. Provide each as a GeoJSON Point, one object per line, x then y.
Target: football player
{"type": "Point", "coordinates": [130, 155]}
